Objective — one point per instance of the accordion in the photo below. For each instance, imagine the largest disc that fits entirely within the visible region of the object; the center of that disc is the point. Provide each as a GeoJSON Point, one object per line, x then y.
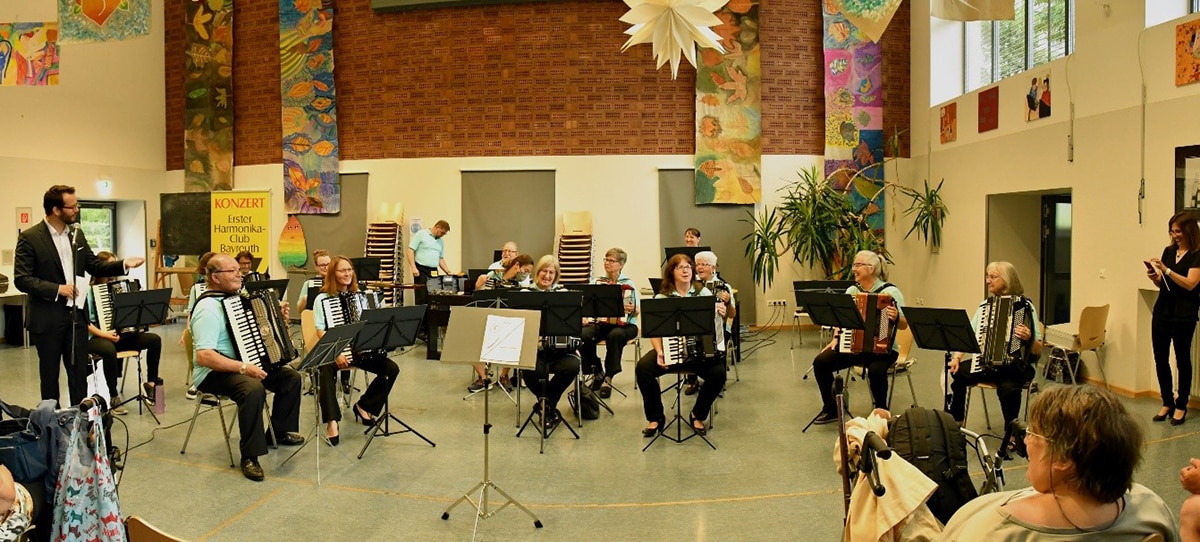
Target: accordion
{"type": "Point", "coordinates": [558, 342]}
{"type": "Point", "coordinates": [876, 338]}
{"type": "Point", "coordinates": [347, 308]}
{"type": "Point", "coordinates": [102, 294]}
{"type": "Point", "coordinates": [260, 333]}
{"type": "Point", "coordinates": [626, 297]}
{"type": "Point", "coordinates": [998, 342]}
{"type": "Point", "coordinates": [681, 349]}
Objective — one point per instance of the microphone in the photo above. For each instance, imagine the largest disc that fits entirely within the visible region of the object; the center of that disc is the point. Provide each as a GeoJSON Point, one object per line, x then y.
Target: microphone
{"type": "Point", "coordinates": [74, 233]}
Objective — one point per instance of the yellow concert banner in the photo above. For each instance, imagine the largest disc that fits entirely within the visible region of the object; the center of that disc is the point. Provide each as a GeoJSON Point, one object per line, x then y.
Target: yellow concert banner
{"type": "Point", "coordinates": [241, 220]}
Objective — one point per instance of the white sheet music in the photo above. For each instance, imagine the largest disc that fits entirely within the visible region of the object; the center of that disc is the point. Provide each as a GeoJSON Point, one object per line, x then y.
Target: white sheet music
{"type": "Point", "coordinates": [81, 291]}
{"type": "Point", "coordinates": [502, 336]}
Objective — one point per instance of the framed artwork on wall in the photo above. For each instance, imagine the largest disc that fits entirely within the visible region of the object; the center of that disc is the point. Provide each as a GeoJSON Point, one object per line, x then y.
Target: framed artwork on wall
{"type": "Point", "coordinates": [1187, 179]}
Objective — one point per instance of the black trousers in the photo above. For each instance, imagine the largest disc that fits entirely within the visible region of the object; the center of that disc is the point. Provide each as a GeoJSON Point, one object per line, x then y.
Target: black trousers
{"type": "Point", "coordinates": [830, 361]}
{"type": "Point", "coordinates": [251, 395]}
{"type": "Point", "coordinates": [54, 345]}
{"type": "Point", "coordinates": [615, 337]}
{"type": "Point", "coordinates": [107, 351]}
{"type": "Point", "coordinates": [424, 274]}
{"type": "Point", "coordinates": [560, 367]}
{"type": "Point", "coordinates": [1009, 380]}
{"type": "Point", "coordinates": [648, 370]}
{"type": "Point", "coordinates": [372, 399]}
{"type": "Point", "coordinates": [1162, 334]}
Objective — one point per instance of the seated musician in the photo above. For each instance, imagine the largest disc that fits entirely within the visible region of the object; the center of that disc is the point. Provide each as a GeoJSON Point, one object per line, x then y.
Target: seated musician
{"type": "Point", "coordinates": [340, 280]}
{"type": "Point", "coordinates": [558, 365]}
{"type": "Point", "coordinates": [321, 263]}
{"type": "Point", "coordinates": [220, 371]}
{"type": "Point", "coordinates": [706, 272]}
{"type": "Point", "coordinates": [1001, 280]}
{"type": "Point", "coordinates": [677, 282]}
{"type": "Point", "coordinates": [514, 274]}
{"type": "Point", "coordinates": [106, 344]}
{"type": "Point", "coordinates": [615, 332]}
{"type": "Point", "coordinates": [245, 261]}
{"type": "Point", "coordinates": [691, 237]}
{"type": "Point", "coordinates": [868, 272]}
{"type": "Point", "coordinates": [198, 288]}
{"type": "Point", "coordinates": [508, 252]}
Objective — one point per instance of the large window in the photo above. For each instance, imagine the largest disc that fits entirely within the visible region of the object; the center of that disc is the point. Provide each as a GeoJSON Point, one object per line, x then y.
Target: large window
{"type": "Point", "coordinates": [1161, 11]}
{"type": "Point", "coordinates": [1042, 30]}
{"type": "Point", "coordinates": [98, 219]}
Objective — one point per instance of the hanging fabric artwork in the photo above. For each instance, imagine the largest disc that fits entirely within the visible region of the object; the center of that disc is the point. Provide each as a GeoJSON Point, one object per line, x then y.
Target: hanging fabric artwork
{"type": "Point", "coordinates": [310, 142]}
{"type": "Point", "coordinates": [28, 54]}
{"type": "Point", "coordinates": [103, 20]}
{"type": "Point", "coordinates": [853, 113]}
{"type": "Point", "coordinates": [208, 101]}
{"type": "Point", "coordinates": [729, 111]}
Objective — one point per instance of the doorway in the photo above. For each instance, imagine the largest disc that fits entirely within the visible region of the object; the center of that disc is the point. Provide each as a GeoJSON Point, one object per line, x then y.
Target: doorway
{"type": "Point", "coordinates": [1056, 258]}
{"type": "Point", "coordinates": [1032, 230]}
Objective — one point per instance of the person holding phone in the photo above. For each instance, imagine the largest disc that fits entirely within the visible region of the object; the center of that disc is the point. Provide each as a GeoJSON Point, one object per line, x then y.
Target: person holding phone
{"type": "Point", "coordinates": [1174, 318]}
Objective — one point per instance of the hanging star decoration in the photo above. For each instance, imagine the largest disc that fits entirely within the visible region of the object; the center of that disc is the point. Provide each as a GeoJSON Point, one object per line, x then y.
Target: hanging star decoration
{"type": "Point", "coordinates": [673, 28]}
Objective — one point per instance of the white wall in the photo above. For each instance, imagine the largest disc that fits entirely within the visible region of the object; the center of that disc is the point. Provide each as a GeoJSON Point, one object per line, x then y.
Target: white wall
{"type": "Point", "coordinates": [1103, 80]}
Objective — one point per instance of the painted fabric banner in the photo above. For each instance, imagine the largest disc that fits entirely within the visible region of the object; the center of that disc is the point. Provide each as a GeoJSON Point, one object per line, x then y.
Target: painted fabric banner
{"type": "Point", "coordinates": [208, 104]}
{"type": "Point", "coordinates": [28, 54]}
{"type": "Point", "coordinates": [310, 142]}
{"type": "Point", "coordinates": [853, 114]}
{"type": "Point", "coordinates": [103, 20]}
{"type": "Point", "coordinates": [729, 111]}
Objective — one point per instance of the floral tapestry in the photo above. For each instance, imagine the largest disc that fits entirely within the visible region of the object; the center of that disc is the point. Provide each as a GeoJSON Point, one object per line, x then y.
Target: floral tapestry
{"type": "Point", "coordinates": [103, 20]}
{"type": "Point", "coordinates": [310, 142]}
{"type": "Point", "coordinates": [208, 102]}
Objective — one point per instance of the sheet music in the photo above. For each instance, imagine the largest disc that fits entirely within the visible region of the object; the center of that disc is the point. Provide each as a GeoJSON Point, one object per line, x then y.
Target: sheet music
{"type": "Point", "coordinates": [81, 290]}
{"type": "Point", "coordinates": [502, 337]}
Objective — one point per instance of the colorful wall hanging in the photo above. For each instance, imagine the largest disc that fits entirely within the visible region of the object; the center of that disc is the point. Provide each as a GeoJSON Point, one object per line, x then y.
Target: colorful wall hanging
{"type": "Point", "coordinates": [989, 109]}
{"type": "Point", "coordinates": [293, 250]}
{"type": "Point", "coordinates": [1037, 98]}
{"type": "Point", "coordinates": [949, 122]}
{"type": "Point", "coordinates": [103, 20]}
{"type": "Point", "coordinates": [208, 102]}
{"type": "Point", "coordinates": [310, 142]}
{"type": "Point", "coordinates": [729, 111]}
{"type": "Point", "coordinates": [869, 16]}
{"type": "Point", "coordinates": [28, 54]}
{"type": "Point", "coordinates": [853, 113]}
{"type": "Point", "coordinates": [1187, 52]}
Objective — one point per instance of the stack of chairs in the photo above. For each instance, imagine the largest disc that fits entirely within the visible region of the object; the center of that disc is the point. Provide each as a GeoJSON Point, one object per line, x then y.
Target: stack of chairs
{"type": "Point", "coordinates": [575, 247]}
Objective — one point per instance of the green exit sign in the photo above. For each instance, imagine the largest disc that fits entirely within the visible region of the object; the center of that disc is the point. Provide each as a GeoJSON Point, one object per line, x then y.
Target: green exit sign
{"type": "Point", "coordinates": [409, 5]}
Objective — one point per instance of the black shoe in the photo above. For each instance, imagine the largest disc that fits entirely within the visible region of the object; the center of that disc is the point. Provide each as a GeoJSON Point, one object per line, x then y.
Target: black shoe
{"type": "Point", "coordinates": [824, 418]}
{"type": "Point", "coordinates": [252, 470]}
{"type": "Point", "coordinates": [606, 389]}
{"type": "Point", "coordinates": [1179, 420]}
{"type": "Point", "coordinates": [597, 381]}
{"type": "Point", "coordinates": [702, 429]}
{"type": "Point", "coordinates": [651, 431]}
{"type": "Point", "coordinates": [148, 396]}
{"type": "Point", "coordinates": [1162, 417]}
{"type": "Point", "coordinates": [333, 441]}
{"type": "Point", "coordinates": [553, 416]}
{"type": "Point", "coordinates": [346, 388]}
{"type": "Point", "coordinates": [691, 388]}
{"type": "Point", "coordinates": [289, 439]}
{"type": "Point", "coordinates": [360, 414]}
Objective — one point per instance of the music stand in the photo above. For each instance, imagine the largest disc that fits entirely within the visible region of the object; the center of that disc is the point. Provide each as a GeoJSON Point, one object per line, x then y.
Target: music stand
{"type": "Point", "coordinates": [672, 317]}
{"type": "Point", "coordinates": [255, 262]}
{"type": "Point", "coordinates": [366, 268]}
{"type": "Point", "coordinates": [389, 329]}
{"type": "Point", "coordinates": [472, 278]}
{"type": "Point", "coordinates": [332, 343]}
{"type": "Point", "coordinates": [280, 286]}
{"type": "Point", "coordinates": [689, 251]}
{"type": "Point", "coordinates": [835, 310]}
{"type": "Point", "coordinates": [492, 336]}
{"type": "Point", "coordinates": [309, 301]}
{"type": "Point", "coordinates": [655, 284]}
{"type": "Point", "coordinates": [602, 301]}
{"type": "Point", "coordinates": [949, 330]}
{"type": "Point", "coordinates": [562, 316]}
{"type": "Point", "coordinates": [141, 310]}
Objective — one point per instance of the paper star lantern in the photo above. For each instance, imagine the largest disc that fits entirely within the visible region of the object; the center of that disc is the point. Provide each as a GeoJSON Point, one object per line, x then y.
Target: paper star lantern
{"type": "Point", "coordinates": [673, 28]}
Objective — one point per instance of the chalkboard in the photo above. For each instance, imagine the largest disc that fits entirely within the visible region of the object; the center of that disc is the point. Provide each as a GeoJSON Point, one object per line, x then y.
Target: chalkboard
{"type": "Point", "coordinates": [186, 223]}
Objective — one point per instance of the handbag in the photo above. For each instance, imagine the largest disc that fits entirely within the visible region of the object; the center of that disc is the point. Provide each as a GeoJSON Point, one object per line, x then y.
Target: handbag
{"type": "Point", "coordinates": [86, 506]}
{"type": "Point", "coordinates": [21, 451]}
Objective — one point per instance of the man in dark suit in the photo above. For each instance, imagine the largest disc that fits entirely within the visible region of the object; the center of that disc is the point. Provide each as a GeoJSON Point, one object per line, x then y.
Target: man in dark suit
{"type": "Point", "coordinates": [47, 253]}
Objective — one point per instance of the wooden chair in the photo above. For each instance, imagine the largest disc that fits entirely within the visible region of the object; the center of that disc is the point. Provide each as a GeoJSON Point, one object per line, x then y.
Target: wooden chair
{"type": "Point", "coordinates": [138, 530]}
{"type": "Point", "coordinates": [1087, 336]}
{"type": "Point", "coordinates": [904, 363]}
{"type": "Point", "coordinates": [308, 329]}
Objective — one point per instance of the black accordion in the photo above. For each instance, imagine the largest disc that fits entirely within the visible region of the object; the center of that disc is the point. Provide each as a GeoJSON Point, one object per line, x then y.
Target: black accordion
{"type": "Point", "coordinates": [998, 342]}
{"type": "Point", "coordinates": [260, 333]}
{"type": "Point", "coordinates": [102, 297]}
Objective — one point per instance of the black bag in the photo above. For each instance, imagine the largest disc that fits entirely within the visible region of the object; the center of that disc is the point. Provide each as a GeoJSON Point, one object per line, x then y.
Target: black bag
{"type": "Point", "coordinates": [930, 440]}
{"type": "Point", "coordinates": [591, 404]}
{"type": "Point", "coordinates": [1063, 363]}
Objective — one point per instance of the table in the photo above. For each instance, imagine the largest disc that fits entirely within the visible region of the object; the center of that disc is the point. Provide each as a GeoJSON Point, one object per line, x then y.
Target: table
{"type": "Point", "coordinates": [437, 316]}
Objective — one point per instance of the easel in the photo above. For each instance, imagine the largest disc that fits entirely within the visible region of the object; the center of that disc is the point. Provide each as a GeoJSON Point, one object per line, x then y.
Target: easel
{"type": "Point", "coordinates": [389, 329]}
{"type": "Point", "coordinates": [140, 310]}
{"type": "Point", "coordinates": [834, 310]}
{"type": "Point", "coordinates": [676, 317]}
{"type": "Point", "coordinates": [477, 334]}
{"type": "Point", "coordinates": [325, 352]}
{"type": "Point", "coordinates": [948, 330]}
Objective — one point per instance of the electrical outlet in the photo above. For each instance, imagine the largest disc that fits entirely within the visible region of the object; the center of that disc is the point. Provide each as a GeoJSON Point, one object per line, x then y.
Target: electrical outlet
{"type": "Point", "coordinates": [776, 303]}
{"type": "Point", "coordinates": [920, 301]}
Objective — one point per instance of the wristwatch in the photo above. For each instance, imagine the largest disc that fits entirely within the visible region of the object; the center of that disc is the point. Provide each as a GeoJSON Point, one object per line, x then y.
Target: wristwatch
{"type": "Point", "coordinates": [242, 370]}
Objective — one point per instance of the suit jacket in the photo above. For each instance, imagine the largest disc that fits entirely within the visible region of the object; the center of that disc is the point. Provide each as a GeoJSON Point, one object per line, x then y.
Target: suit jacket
{"type": "Point", "coordinates": [38, 272]}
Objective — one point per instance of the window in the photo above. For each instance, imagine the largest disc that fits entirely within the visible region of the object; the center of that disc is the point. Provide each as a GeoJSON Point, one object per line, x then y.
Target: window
{"type": "Point", "coordinates": [98, 219]}
{"type": "Point", "coordinates": [1041, 31]}
{"type": "Point", "coordinates": [1161, 11]}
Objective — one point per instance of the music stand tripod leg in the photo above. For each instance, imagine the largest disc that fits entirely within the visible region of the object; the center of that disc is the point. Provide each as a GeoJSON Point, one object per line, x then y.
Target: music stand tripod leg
{"type": "Point", "coordinates": [141, 397]}
{"type": "Point", "coordinates": [383, 421]}
{"type": "Point", "coordinates": [312, 434]}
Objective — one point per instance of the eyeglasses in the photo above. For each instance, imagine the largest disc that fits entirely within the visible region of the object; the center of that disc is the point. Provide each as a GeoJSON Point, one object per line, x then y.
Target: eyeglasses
{"type": "Point", "coordinates": [611, 260]}
{"type": "Point", "coordinates": [1029, 433]}
{"type": "Point", "coordinates": [860, 264]}
{"type": "Point", "coordinates": [688, 267]}
{"type": "Point", "coordinates": [219, 271]}
{"type": "Point", "coordinates": [72, 207]}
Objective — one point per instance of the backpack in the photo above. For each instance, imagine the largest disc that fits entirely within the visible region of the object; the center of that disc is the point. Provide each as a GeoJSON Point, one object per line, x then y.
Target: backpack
{"type": "Point", "coordinates": [591, 405]}
{"type": "Point", "coordinates": [930, 440]}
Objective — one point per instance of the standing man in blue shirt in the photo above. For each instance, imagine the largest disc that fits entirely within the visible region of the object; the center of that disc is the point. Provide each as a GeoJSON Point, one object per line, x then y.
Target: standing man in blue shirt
{"type": "Point", "coordinates": [426, 254]}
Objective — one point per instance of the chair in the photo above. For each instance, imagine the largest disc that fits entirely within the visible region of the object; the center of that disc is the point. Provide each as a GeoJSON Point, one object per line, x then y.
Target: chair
{"type": "Point", "coordinates": [904, 343]}
{"type": "Point", "coordinates": [1087, 336]}
{"type": "Point", "coordinates": [137, 530]}
{"type": "Point", "coordinates": [1030, 388]}
{"type": "Point", "coordinates": [216, 402]}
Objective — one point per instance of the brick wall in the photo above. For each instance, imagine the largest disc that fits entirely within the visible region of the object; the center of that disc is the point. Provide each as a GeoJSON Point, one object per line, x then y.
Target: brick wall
{"type": "Point", "coordinates": [517, 80]}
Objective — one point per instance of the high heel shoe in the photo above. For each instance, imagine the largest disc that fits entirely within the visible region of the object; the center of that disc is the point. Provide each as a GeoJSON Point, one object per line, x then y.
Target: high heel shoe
{"type": "Point", "coordinates": [333, 441]}
{"type": "Point", "coordinates": [702, 429]}
{"type": "Point", "coordinates": [1179, 420]}
{"type": "Point", "coordinates": [651, 431]}
{"type": "Point", "coordinates": [1164, 415]}
{"type": "Point", "coordinates": [361, 416]}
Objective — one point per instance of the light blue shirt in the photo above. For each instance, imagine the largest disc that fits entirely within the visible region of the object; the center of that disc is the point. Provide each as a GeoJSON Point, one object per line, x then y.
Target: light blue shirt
{"type": "Point", "coordinates": [210, 331]}
{"type": "Point", "coordinates": [427, 249]}
{"type": "Point", "coordinates": [197, 289]}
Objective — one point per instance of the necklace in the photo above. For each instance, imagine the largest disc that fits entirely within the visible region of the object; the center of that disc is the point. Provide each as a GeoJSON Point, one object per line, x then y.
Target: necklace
{"type": "Point", "coordinates": [1057, 501]}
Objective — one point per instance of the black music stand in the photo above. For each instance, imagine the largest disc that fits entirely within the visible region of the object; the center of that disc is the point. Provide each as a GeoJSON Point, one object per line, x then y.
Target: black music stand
{"type": "Point", "coordinates": [312, 293]}
{"type": "Point", "coordinates": [949, 330]}
{"type": "Point", "coordinates": [472, 277]}
{"type": "Point", "coordinates": [655, 284]}
{"type": "Point", "coordinates": [672, 317]}
{"type": "Point", "coordinates": [366, 269]}
{"type": "Point", "coordinates": [332, 343]}
{"type": "Point", "coordinates": [562, 316]}
{"type": "Point", "coordinates": [140, 310]}
{"type": "Point", "coordinates": [689, 251]}
{"type": "Point", "coordinates": [602, 301]}
{"type": "Point", "coordinates": [389, 329]}
{"type": "Point", "coordinates": [477, 339]}
{"type": "Point", "coordinates": [833, 309]}
{"type": "Point", "coordinates": [280, 286]}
